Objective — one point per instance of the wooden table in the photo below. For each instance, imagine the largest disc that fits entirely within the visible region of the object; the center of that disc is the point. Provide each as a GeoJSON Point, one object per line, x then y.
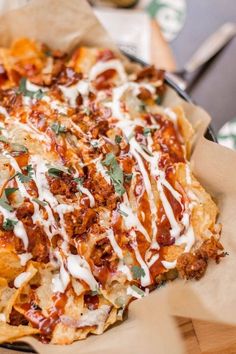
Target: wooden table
{"type": "Point", "coordinates": [207, 338]}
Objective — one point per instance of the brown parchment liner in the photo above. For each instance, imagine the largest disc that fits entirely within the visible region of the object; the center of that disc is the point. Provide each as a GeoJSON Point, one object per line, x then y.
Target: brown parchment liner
{"type": "Point", "coordinates": [66, 24]}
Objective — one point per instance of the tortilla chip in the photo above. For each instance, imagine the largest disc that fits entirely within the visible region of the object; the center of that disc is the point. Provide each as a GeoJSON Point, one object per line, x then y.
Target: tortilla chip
{"type": "Point", "coordinates": [10, 333]}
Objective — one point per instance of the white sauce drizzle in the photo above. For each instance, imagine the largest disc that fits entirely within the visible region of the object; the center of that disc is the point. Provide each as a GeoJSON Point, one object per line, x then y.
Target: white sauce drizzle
{"type": "Point", "coordinates": [169, 265]}
{"type": "Point", "coordinates": [80, 269]}
{"type": "Point", "coordinates": [152, 260]}
{"type": "Point", "coordinates": [132, 220]}
{"type": "Point", "coordinates": [55, 104]}
{"type": "Point", "coordinates": [3, 111]}
{"type": "Point", "coordinates": [61, 280]}
{"type": "Point", "coordinates": [24, 258]}
{"type": "Point", "coordinates": [188, 174]}
{"type": "Point", "coordinates": [114, 244]}
{"type": "Point", "coordinates": [21, 279]}
{"type": "Point", "coordinates": [101, 66]}
{"type": "Point", "coordinates": [3, 317]}
{"type": "Point", "coordinates": [72, 92]}
{"type": "Point", "coordinates": [19, 229]}
{"type": "Point", "coordinates": [89, 194]}
{"type": "Point", "coordinates": [187, 238]}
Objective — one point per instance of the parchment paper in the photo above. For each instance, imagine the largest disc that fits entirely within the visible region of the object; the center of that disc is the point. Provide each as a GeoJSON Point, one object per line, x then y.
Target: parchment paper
{"type": "Point", "coordinates": [66, 24]}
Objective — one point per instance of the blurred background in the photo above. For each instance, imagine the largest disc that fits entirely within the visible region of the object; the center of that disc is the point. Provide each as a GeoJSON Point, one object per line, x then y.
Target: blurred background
{"type": "Point", "coordinates": [138, 26]}
{"type": "Point", "coordinates": [180, 36]}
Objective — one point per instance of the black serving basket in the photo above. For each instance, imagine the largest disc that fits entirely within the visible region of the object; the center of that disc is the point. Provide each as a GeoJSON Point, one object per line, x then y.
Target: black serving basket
{"type": "Point", "coordinates": [210, 135]}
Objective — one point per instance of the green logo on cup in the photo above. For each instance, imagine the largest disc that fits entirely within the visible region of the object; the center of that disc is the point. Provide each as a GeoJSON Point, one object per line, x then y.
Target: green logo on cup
{"type": "Point", "coordinates": [170, 15]}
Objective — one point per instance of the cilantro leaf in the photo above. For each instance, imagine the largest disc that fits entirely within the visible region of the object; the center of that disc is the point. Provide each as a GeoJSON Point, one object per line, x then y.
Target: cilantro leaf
{"type": "Point", "coordinates": [109, 159]}
{"type": "Point", "coordinates": [54, 172]}
{"type": "Point", "coordinates": [137, 272]}
{"type": "Point", "coordinates": [18, 148]}
{"type": "Point", "coordinates": [39, 202]}
{"type": "Point", "coordinates": [28, 177]}
{"type": "Point", "coordinates": [9, 191]}
{"type": "Point", "coordinates": [58, 128]}
{"type": "Point", "coordinates": [25, 92]}
{"type": "Point", "coordinates": [9, 224]}
{"type": "Point", "coordinates": [115, 172]}
{"type": "Point", "coordinates": [118, 139]}
{"type": "Point", "coordinates": [4, 204]}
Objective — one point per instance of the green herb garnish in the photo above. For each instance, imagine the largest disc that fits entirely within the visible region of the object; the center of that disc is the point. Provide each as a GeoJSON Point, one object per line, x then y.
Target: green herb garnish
{"type": "Point", "coordinates": [159, 100]}
{"type": "Point", "coordinates": [58, 128]}
{"type": "Point", "coordinates": [18, 148]}
{"type": "Point", "coordinates": [9, 224]}
{"type": "Point", "coordinates": [137, 272]}
{"type": "Point", "coordinates": [118, 139]}
{"type": "Point", "coordinates": [128, 177]}
{"type": "Point", "coordinates": [29, 174]}
{"type": "Point", "coordinates": [142, 107]}
{"type": "Point", "coordinates": [39, 94]}
{"type": "Point", "coordinates": [39, 202]}
{"type": "Point", "coordinates": [9, 191]}
{"type": "Point", "coordinates": [146, 131]}
{"type": "Point", "coordinates": [54, 172]}
{"type": "Point", "coordinates": [32, 94]}
{"type": "Point", "coordinates": [115, 173]}
{"type": "Point", "coordinates": [4, 204]}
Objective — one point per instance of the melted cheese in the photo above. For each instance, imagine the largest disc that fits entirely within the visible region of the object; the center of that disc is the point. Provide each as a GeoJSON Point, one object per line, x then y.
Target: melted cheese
{"type": "Point", "coordinates": [94, 317]}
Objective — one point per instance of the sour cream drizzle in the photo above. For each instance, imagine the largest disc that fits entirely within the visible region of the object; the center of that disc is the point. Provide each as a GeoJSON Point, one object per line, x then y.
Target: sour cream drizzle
{"type": "Point", "coordinates": [79, 268]}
